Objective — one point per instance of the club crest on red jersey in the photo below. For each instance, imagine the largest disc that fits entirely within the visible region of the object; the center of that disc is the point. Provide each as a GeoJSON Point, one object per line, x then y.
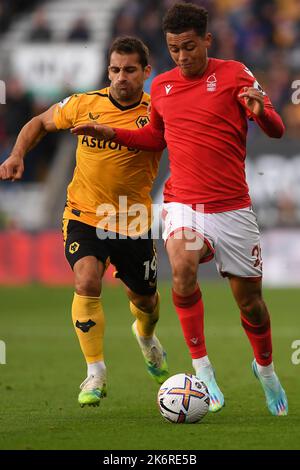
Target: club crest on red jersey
{"type": "Point", "coordinates": [211, 83]}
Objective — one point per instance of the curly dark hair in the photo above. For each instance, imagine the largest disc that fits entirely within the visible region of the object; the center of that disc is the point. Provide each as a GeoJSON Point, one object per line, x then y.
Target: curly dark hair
{"type": "Point", "coordinates": [130, 45]}
{"type": "Point", "coordinates": [183, 17]}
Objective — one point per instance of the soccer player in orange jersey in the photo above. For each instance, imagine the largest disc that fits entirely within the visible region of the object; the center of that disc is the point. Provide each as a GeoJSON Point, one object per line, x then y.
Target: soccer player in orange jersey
{"type": "Point", "coordinates": [98, 226]}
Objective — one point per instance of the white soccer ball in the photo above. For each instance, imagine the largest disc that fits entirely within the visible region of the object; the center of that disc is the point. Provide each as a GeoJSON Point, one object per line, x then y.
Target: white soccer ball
{"type": "Point", "coordinates": [183, 399]}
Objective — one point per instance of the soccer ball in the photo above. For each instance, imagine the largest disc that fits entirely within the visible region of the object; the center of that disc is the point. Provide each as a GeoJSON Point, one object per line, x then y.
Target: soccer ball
{"type": "Point", "coordinates": [183, 399]}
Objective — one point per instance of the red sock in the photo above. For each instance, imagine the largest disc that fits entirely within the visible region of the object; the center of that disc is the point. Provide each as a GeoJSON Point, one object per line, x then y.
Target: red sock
{"type": "Point", "coordinates": [260, 339]}
{"type": "Point", "coordinates": [190, 311]}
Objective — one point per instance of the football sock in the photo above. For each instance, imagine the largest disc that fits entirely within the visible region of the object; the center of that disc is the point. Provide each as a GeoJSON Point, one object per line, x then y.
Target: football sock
{"type": "Point", "coordinates": [266, 371]}
{"type": "Point", "coordinates": [260, 339]}
{"type": "Point", "coordinates": [190, 311]}
{"type": "Point", "coordinates": [88, 321]}
{"type": "Point", "coordinates": [146, 321]}
{"type": "Point", "coordinates": [96, 368]}
{"type": "Point", "coordinates": [201, 363]}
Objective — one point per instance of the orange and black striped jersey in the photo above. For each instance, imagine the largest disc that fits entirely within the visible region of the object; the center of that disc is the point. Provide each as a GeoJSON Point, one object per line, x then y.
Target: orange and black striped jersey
{"type": "Point", "coordinates": [110, 182]}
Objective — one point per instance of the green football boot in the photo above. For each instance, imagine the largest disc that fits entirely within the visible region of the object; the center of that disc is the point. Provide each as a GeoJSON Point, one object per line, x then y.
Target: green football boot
{"type": "Point", "coordinates": [154, 355]}
{"type": "Point", "coordinates": [92, 390]}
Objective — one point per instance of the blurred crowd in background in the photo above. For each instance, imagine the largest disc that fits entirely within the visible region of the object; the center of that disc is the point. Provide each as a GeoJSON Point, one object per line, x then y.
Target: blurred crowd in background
{"type": "Point", "coordinates": [264, 34]}
{"type": "Point", "coordinates": [50, 49]}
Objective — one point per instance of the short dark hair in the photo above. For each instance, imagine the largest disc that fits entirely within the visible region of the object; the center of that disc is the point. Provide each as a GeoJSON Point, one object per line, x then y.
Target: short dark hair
{"type": "Point", "coordinates": [183, 17]}
{"type": "Point", "coordinates": [130, 45]}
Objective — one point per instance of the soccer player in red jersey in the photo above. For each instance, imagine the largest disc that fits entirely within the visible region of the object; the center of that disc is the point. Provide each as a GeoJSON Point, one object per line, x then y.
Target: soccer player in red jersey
{"type": "Point", "coordinates": [200, 110]}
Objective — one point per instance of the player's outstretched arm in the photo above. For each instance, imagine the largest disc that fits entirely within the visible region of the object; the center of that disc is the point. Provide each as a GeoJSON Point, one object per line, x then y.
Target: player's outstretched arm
{"type": "Point", "coordinates": [94, 130]}
{"type": "Point", "coordinates": [13, 167]}
{"type": "Point", "coordinates": [148, 138]}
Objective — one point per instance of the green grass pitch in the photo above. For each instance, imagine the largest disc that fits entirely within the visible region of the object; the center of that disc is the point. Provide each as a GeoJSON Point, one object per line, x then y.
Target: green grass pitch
{"type": "Point", "coordinates": [39, 383]}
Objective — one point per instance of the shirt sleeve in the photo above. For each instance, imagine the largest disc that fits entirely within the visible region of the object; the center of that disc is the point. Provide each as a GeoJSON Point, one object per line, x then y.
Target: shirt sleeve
{"type": "Point", "coordinates": [66, 111]}
{"type": "Point", "coordinates": [148, 138]}
{"type": "Point", "coordinates": [245, 78]}
{"type": "Point", "coordinates": [270, 122]}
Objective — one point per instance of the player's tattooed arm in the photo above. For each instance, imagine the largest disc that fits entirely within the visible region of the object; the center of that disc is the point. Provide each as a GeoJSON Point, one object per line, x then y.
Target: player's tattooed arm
{"type": "Point", "coordinates": [13, 167]}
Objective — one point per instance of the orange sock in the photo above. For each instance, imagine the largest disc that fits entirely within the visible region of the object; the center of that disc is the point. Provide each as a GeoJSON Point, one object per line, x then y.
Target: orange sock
{"type": "Point", "coordinates": [88, 320]}
{"type": "Point", "coordinates": [146, 321]}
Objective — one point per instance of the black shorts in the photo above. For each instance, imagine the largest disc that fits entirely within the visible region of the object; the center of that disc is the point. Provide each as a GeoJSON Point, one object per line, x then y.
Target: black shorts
{"type": "Point", "coordinates": [135, 259]}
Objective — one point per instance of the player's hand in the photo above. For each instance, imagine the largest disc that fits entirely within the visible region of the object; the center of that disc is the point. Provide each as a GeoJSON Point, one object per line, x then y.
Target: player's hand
{"type": "Point", "coordinates": [12, 169]}
{"type": "Point", "coordinates": [254, 100]}
{"type": "Point", "coordinates": [94, 130]}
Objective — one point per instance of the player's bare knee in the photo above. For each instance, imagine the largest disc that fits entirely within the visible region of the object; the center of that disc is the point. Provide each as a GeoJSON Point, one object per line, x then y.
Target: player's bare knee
{"type": "Point", "coordinates": [184, 278]}
{"type": "Point", "coordinates": [254, 310]}
{"type": "Point", "coordinates": [88, 274]}
{"type": "Point", "coordinates": [146, 303]}
{"type": "Point", "coordinates": [88, 284]}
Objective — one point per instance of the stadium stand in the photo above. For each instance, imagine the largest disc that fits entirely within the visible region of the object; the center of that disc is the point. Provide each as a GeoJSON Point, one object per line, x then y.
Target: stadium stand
{"type": "Point", "coordinates": [28, 51]}
{"type": "Point", "coordinates": [48, 46]}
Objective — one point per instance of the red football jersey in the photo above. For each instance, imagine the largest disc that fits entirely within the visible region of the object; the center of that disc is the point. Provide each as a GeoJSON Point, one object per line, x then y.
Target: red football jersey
{"type": "Point", "coordinates": [205, 127]}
